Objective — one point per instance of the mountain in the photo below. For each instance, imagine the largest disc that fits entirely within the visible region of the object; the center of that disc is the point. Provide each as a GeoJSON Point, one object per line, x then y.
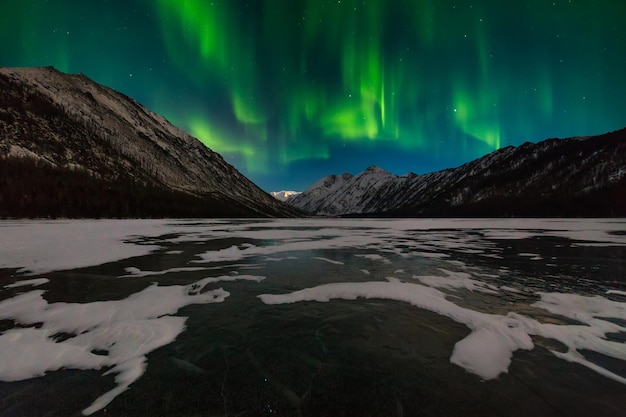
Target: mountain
{"type": "Point", "coordinates": [284, 195]}
{"type": "Point", "coordinates": [343, 194]}
{"type": "Point", "coordinates": [319, 195]}
{"type": "Point", "coordinates": [73, 148]}
{"type": "Point", "coordinates": [553, 178]}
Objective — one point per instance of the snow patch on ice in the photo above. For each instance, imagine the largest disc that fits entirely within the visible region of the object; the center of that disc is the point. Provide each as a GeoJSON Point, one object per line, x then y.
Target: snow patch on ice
{"type": "Point", "coordinates": [38, 247]}
{"type": "Point", "coordinates": [331, 261]}
{"type": "Point", "coordinates": [510, 289]}
{"type": "Point", "coordinates": [229, 254]}
{"type": "Point", "coordinates": [373, 257]}
{"type": "Point", "coordinates": [28, 282]}
{"type": "Point", "coordinates": [127, 330]}
{"type": "Point", "coordinates": [487, 351]}
{"type": "Point", "coordinates": [136, 272]}
{"type": "Point", "coordinates": [454, 280]}
{"type": "Point", "coordinates": [532, 256]}
{"type": "Point", "coordinates": [317, 239]}
{"type": "Point", "coordinates": [278, 259]}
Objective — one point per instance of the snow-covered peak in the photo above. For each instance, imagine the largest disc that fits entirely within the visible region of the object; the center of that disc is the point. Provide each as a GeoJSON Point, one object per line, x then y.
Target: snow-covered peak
{"type": "Point", "coordinates": [345, 193]}
{"type": "Point", "coordinates": [284, 195]}
{"type": "Point", "coordinates": [321, 190]}
{"type": "Point", "coordinates": [330, 183]}
{"type": "Point", "coordinates": [374, 174]}
{"type": "Point", "coordinates": [373, 169]}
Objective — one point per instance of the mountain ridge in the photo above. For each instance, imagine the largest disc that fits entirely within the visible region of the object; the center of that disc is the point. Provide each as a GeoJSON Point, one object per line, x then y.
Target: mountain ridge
{"type": "Point", "coordinates": [581, 176]}
{"type": "Point", "coordinates": [68, 126]}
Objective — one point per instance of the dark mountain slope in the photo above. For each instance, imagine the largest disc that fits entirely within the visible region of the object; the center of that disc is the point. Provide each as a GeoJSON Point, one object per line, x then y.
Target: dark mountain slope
{"type": "Point", "coordinates": [553, 178]}
{"type": "Point", "coordinates": [73, 148]}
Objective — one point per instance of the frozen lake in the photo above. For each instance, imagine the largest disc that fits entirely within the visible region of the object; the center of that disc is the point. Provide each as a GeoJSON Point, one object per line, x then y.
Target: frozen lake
{"type": "Point", "coordinates": [313, 317]}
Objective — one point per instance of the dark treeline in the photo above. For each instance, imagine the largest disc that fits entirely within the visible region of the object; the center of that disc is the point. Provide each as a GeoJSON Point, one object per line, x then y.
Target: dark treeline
{"type": "Point", "coordinates": [36, 189]}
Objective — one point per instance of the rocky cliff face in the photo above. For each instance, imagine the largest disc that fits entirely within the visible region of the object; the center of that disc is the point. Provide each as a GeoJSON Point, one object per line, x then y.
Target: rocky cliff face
{"type": "Point", "coordinates": [119, 158]}
{"type": "Point", "coordinates": [556, 177]}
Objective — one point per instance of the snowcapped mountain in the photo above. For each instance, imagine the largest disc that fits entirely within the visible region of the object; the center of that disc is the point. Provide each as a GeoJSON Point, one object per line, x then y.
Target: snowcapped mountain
{"type": "Point", "coordinates": [336, 195]}
{"type": "Point", "coordinates": [584, 176]}
{"type": "Point", "coordinates": [73, 148]}
{"type": "Point", "coordinates": [317, 196]}
{"type": "Point", "coordinates": [284, 195]}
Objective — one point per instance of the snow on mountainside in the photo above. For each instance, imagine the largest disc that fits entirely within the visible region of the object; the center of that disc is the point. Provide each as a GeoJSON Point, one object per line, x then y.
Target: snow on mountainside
{"type": "Point", "coordinates": [284, 195]}
{"type": "Point", "coordinates": [583, 176]}
{"type": "Point", "coordinates": [336, 195]}
{"type": "Point", "coordinates": [313, 197]}
{"type": "Point", "coordinates": [55, 124]}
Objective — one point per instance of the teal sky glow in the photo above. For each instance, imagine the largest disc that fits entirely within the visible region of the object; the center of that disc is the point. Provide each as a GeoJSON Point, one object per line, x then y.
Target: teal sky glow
{"type": "Point", "coordinates": [291, 90]}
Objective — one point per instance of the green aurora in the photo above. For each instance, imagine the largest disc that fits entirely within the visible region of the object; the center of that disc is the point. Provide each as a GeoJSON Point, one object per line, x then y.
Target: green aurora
{"type": "Point", "coordinates": [289, 91]}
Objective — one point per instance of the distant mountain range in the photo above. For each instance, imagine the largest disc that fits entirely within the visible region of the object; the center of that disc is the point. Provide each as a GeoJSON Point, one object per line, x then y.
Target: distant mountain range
{"type": "Point", "coordinates": [70, 147]}
{"type": "Point", "coordinates": [73, 148]}
{"type": "Point", "coordinates": [554, 178]}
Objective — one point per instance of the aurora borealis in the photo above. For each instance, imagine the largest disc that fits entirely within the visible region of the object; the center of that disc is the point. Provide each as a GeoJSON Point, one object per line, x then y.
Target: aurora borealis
{"type": "Point", "coordinates": [291, 90]}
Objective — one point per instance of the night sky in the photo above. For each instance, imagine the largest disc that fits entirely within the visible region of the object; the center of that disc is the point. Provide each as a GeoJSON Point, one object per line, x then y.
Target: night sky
{"type": "Point", "coordinates": [289, 91]}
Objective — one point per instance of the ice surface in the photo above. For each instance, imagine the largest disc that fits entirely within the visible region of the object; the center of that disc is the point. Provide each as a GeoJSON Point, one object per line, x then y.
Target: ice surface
{"type": "Point", "coordinates": [488, 349]}
{"type": "Point", "coordinates": [43, 246]}
{"type": "Point", "coordinates": [38, 247]}
{"type": "Point", "coordinates": [127, 373]}
{"type": "Point", "coordinates": [431, 254]}
{"type": "Point", "coordinates": [316, 241]}
{"type": "Point", "coordinates": [588, 231]}
{"type": "Point", "coordinates": [127, 330]}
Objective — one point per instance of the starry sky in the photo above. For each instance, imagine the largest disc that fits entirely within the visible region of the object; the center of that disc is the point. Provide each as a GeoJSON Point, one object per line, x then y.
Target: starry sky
{"type": "Point", "coordinates": [289, 91]}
